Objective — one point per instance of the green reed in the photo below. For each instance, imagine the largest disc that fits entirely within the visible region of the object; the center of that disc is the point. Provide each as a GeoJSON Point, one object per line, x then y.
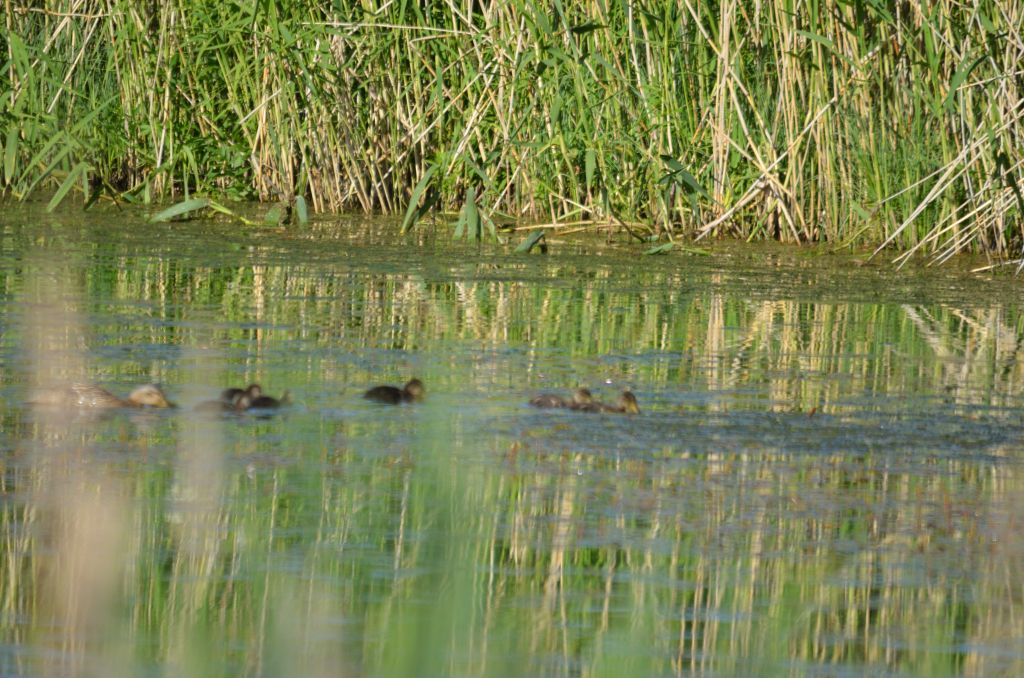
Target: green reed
{"type": "Point", "coordinates": [854, 123]}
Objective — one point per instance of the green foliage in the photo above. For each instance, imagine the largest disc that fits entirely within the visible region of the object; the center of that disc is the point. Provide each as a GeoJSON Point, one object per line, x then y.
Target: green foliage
{"type": "Point", "coordinates": [180, 209]}
{"type": "Point", "coordinates": [661, 249]}
{"type": "Point", "coordinates": [193, 207]}
{"type": "Point", "coordinates": [697, 119]}
{"type": "Point", "coordinates": [530, 241]}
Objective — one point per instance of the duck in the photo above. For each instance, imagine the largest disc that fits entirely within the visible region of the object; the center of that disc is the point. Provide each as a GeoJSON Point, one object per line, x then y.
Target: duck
{"type": "Point", "coordinates": [96, 397]}
{"type": "Point", "coordinates": [581, 398]}
{"type": "Point", "coordinates": [231, 395]}
{"type": "Point", "coordinates": [258, 401]}
{"type": "Point", "coordinates": [239, 402]}
{"type": "Point", "coordinates": [392, 395]}
{"type": "Point", "coordinates": [626, 404]}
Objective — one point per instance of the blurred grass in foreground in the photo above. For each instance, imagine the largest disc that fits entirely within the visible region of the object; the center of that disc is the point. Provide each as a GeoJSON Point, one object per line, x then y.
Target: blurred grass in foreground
{"type": "Point", "coordinates": [575, 566]}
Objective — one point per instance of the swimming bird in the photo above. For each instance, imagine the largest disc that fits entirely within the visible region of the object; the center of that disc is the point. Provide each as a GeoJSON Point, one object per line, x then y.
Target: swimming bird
{"type": "Point", "coordinates": [581, 397]}
{"type": "Point", "coordinates": [231, 395]}
{"type": "Point", "coordinates": [626, 404]}
{"type": "Point", "coordinates": [91, 396]}
{"type": "Point", "coordinates": [392, 395]}
{"type": "Point", "coordinates": [240, 401]}
{"type": "Point", "coordinates": [265, 402]}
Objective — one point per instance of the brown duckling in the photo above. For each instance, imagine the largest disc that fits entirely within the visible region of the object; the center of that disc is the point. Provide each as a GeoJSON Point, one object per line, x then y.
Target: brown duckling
{"type": "Point", "coordinates": [581, 397]}
{"type": "Point", "coordinates": [90, 396]}
{"type": "Point", "coordinates": [265, 402]}
{"type": "Point", "coordinates": [240, 402]}
{"type": "Point", "coordinates": [626, 404]}
{"type": "Point", "coordinates": [392, 395]}
{"type": "Point", "coordinates": [231, 395]}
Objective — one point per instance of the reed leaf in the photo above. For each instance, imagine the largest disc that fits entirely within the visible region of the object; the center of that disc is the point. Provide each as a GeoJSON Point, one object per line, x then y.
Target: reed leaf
{"type": "Point", "coordinates": [180, 209]}
{"type": "Point", "coordinates": [80, 171]}
{"type": "Point", "coordinates": [530, 241]}
{"type": "Point", "coordinates": [415, 211]}
{"type": "Point", "coordinates": [301, 210]}
{"type": "Point", "coordinates": [664, 248]}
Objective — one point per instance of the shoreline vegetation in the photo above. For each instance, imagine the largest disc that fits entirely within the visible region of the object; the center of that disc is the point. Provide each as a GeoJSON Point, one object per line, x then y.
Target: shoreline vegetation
{"type": "Point", "coordinates": [858, 124]}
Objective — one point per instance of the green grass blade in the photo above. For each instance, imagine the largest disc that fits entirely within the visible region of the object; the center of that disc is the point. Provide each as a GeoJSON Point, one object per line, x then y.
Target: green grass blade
{"type": "Point", "coordinates": [530, 241]}
{"type": "Point", "coordinates": [661, 249]}
{"type": "Point", "coordinates": [958, 79]}
{"type": "Point", "coordinates": [412, 214]}
{"type": "Point", "coordinates": [10, 153]}
{"type": "Point", "coordinates": [69, 182]}
{"type": "Point", "coordinates": [301, 210]}
{"type": "Point", "coordinates": [472, 213]}
{"type": "Point", "coordinates": [182, 208]}
{"type": "Point", "coordinates": [590, 163]}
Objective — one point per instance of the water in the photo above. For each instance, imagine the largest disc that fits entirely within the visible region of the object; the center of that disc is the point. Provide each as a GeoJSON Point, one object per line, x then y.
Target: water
{"type": "Point", "coordinates": [825, 477]}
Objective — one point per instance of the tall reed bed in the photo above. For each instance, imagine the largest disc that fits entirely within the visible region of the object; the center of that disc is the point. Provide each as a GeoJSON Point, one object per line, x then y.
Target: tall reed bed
{"type": "Point", "coordinates": [862, 122]}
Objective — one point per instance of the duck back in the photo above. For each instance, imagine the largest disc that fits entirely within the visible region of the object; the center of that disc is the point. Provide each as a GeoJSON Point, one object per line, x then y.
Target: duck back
{"type": "Point", "coordinates": [390, 395]}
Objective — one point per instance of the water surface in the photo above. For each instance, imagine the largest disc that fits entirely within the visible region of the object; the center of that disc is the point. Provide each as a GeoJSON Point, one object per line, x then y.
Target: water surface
{"type": "Point", "coordinates": [825, 477]}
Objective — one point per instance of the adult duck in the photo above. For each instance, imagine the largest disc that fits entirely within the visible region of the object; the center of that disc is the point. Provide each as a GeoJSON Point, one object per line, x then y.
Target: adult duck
{"type": "Point", "coordinates": [96, 397]}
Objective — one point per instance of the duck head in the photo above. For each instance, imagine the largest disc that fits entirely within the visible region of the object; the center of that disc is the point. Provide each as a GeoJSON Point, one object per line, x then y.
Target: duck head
{"type": "Point", "coordinates": [149, 395]}
{"type": "Point", "coordinates": [628, 403]}
{"type": "Point", "coordinates": [414, 389]}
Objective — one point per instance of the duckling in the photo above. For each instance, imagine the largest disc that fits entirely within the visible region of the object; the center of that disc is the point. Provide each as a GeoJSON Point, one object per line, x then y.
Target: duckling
{"type": "Point", "coordinates": [231, 395]}
{"type": "Point", "coordinates": [392, 395]}
{"type": "Point", "coordinates": [265, 402]}
{"type": "Point", "coordinates": [91, 396]}
{"type": "Point", "coordinates": [240, 402]}
{"type": "Point", "coordinates": [626, 404]}
{"type": "Point", "coordinates": [581, 397]}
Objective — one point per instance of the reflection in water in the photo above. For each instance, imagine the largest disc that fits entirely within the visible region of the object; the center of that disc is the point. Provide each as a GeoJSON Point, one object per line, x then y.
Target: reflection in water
{"type": "Point", "coordinates": [825, 470]}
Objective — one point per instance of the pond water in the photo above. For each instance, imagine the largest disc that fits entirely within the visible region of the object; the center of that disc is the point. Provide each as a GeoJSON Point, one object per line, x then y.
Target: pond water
{"type": "Point", "coordinates": [825, 477]}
